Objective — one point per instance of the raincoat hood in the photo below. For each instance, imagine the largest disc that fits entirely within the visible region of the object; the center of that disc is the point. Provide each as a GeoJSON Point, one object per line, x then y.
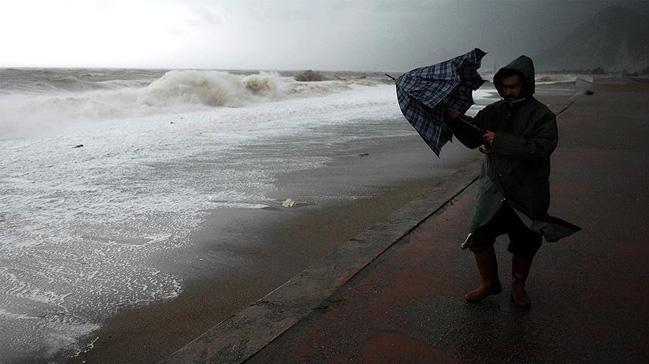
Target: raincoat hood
{"type": "Point", "coordinates": [524, 66]}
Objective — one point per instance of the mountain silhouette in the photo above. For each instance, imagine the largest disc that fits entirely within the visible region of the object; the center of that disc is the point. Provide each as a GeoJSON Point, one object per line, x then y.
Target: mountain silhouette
{"type": "Point", "coordinates": [616, 39]}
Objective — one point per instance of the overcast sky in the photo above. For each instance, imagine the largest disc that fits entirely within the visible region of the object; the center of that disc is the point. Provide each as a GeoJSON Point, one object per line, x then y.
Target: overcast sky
{"type": "Point", "coordinates": [391, 35]}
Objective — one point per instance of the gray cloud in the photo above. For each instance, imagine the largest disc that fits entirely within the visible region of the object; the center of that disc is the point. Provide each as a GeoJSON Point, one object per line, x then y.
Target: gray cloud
{"type": "Point", "coordinates": [399, 34]}
{"type": "Point", "coordinates": [389, 35]}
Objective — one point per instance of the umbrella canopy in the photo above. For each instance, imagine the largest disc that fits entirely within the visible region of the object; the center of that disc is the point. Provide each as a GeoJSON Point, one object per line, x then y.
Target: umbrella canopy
{"type": "Point", "coordinates": [425, 93]}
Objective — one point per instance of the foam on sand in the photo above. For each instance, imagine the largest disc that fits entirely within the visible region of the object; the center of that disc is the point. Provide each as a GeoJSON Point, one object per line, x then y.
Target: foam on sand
{"type": "Point", "coordinates": [81, 228]}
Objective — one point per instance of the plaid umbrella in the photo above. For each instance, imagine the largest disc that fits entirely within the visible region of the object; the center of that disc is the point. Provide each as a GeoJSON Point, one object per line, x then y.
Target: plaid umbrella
{"type": "Point", "coordinates": [425, 93]}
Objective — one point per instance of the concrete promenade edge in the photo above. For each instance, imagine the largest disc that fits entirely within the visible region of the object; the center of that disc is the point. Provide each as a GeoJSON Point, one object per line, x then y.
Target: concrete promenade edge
{"type": "Point", "coordinates": [394, 293]}
{"type": "Point", "coordinates": [242, 335]}
{"type": "Point", "coordinates": [589, 291]}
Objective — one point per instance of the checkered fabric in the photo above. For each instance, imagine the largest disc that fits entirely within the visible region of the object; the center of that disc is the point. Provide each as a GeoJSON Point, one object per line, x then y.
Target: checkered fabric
{"type": "Point", "coordinates": [425, 93]}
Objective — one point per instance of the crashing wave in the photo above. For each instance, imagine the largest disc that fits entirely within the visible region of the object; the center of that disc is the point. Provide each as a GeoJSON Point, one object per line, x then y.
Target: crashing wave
{"type": "Point", "coordinates": [210, 88]}
{"type": "Point", "coordinates": [174, 91]}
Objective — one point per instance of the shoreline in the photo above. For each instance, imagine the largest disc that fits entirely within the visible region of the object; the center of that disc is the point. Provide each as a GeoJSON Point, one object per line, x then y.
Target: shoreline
{"type": "Point", "coordinates": [311, 293]}
{"type": "Point", "coordinates": [227, 274]}
{"type": "Point", "coordinates": [408, 304]}
{"type": "Point", "coordinates": [274, 253]}
{"type": "Point", "coordinates": [222, 277]}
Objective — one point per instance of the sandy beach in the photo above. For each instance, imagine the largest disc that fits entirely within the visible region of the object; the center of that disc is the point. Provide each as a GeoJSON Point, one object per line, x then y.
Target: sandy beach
{"type": "Point", "coordinates": [160, 199]}
{"type": "Point", "coordinates": [187, 181]}
{"type": "Point", "coordinates": [279, 242]}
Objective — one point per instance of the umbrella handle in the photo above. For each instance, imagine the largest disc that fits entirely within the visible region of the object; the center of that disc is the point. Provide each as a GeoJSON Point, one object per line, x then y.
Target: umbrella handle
{"type": "Point", "coordinates": [393, 79]}
{"type": "Point", "coordinates": [469, 124]}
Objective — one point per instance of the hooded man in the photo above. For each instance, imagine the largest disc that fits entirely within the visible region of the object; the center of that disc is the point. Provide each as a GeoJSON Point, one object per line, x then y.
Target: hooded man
{"type": "Point", "coordinates": [518, 135]}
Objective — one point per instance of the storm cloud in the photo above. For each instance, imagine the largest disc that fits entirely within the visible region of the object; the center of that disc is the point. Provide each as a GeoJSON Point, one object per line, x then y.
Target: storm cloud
{"type": "Point", "coordinates": [390, 35]}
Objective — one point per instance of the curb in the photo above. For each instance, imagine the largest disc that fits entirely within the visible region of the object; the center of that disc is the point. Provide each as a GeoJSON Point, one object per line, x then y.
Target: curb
{"type": "Point", "coordinates": [242, 335]}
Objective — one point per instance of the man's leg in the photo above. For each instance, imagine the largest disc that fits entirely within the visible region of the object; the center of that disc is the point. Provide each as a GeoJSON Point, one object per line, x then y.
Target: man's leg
{"type": "Point", "coordinates": [485, 257]}
{"type": "Point", "coordinates": [524, 244]}
{"type": "Point", "coordinates": [489, 282]}
{"type": "Point", "coordinates": [520, 271]}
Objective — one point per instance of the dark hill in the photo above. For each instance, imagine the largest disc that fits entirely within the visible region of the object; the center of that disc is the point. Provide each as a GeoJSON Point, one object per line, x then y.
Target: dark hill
{"type": "Point", "coordinates": [616, 38]}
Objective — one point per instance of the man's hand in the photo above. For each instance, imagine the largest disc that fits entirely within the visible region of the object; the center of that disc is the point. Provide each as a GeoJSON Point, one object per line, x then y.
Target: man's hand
{"type": "Point", "coordinates": [453, 113]}
{"type": "Point", "coordinates": [489, 137]}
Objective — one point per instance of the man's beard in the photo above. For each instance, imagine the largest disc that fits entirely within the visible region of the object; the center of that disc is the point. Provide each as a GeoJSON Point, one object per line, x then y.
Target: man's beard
{"type": "Point", "coordinates": [513, 100]}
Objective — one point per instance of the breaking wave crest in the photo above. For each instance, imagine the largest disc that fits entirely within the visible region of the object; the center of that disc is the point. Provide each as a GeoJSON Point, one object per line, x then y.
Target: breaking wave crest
{"type": "Point", "coordinates": [211, 89]}
{"type": "Point", "coordinates": [174, 91]}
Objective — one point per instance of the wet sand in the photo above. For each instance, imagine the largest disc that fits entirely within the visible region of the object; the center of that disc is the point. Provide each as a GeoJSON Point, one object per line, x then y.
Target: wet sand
{"type": "Point", "coordinates": [239, 255]}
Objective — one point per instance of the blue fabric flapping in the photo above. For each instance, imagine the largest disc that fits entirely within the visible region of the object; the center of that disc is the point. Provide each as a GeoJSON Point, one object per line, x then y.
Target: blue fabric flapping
{"type": "Point", "coordinates": [425, 93]}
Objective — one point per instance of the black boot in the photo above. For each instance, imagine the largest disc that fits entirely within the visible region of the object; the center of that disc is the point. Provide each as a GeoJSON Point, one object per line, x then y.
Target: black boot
{"type": "Point", "coordinates": [489, 282]}
{"type": "Point", "coordinates": [520, 271]}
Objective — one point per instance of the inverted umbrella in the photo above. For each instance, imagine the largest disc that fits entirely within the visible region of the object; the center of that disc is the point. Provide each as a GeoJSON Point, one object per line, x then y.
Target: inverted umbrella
{"type": "Point", "coordinates": [425, 94]}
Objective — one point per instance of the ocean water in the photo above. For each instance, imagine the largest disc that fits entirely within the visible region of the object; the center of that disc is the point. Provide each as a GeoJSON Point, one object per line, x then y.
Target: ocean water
{"type": "Point", "coordinates": [103, 169]}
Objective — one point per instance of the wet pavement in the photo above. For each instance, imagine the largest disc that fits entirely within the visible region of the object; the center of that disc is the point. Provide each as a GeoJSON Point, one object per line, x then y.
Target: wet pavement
{"type": "Point", "coordinates": [589, 291]}
{"type": "Point", "coordinates": [403, 301]}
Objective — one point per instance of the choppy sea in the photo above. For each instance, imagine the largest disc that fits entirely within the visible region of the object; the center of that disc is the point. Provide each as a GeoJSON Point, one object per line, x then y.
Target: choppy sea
{"type": "Point", "coordinates": [101, 169]}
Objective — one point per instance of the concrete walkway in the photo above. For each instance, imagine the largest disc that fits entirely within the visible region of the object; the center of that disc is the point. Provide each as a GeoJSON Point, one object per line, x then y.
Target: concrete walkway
{"type": "Point", "coordinates": [589, 291]}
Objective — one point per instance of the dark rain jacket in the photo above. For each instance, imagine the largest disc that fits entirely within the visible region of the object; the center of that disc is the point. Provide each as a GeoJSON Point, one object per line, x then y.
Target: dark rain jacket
{"type": "Point", "coordinates": [518, 168]}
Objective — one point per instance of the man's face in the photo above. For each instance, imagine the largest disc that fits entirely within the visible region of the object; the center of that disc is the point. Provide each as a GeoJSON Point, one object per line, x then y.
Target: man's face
{"type": "Point", "coordinates": [512, 88]}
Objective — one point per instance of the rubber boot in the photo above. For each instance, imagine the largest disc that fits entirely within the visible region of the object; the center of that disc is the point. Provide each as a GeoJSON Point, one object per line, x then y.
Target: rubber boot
{"type": "Point", "coordinates": [489, 282]}
{"type": "Point", "coordinates": [520, 271]}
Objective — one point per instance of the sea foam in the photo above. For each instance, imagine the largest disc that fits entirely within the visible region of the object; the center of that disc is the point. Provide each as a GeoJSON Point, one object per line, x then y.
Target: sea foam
{"type": "Point", "coordinates": [42, 106]}
{"type": "Point", "coordinates": [82, 230]}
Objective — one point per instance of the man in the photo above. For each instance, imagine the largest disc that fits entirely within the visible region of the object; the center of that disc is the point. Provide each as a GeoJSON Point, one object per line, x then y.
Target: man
{"type": "Point", "coordinates": [519, 134]}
